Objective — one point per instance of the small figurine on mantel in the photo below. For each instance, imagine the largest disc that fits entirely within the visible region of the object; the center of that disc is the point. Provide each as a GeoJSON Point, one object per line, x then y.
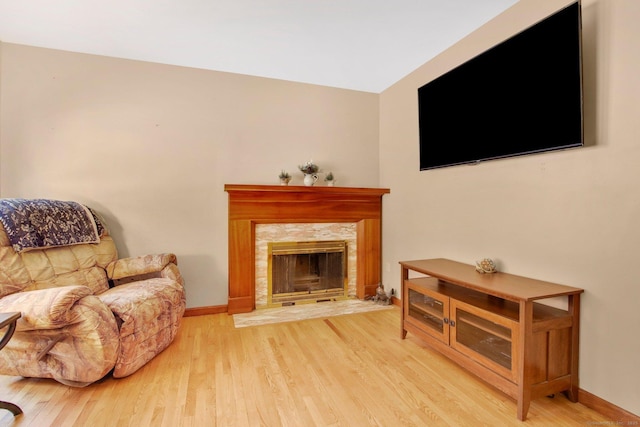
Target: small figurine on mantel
{"type": "Point", "coordinates": [381, 296]}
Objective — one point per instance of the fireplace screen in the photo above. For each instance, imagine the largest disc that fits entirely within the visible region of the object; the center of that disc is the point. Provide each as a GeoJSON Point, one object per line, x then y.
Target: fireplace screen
{"type": "Point", "coordinates": [307, 271]}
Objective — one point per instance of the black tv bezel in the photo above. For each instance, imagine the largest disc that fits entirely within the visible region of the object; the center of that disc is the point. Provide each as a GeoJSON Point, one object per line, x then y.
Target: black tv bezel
{"type": "Point", "coordinates": [579, 103]}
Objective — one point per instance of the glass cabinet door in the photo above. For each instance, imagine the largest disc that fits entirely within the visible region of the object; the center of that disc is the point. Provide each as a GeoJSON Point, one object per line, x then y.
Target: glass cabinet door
{"type": "Point", "coordinates": [488, 338]}
{"type": "Point", "coordinates": [429, 311]}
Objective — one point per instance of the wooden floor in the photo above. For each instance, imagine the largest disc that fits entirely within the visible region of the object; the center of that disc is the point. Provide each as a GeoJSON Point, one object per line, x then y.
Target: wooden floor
{"type": "Point", "coordinates": [351, 370]}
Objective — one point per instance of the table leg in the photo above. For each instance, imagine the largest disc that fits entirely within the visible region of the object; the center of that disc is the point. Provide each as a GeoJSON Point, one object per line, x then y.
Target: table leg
{"type": "Point", "coordinates": [9, 321]}
{"type": "Point", "coordinates": [14, 409]}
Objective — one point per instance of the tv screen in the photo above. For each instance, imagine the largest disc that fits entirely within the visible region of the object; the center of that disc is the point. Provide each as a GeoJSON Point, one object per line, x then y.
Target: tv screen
{"type": "Point", "coordinates": [522, 96]}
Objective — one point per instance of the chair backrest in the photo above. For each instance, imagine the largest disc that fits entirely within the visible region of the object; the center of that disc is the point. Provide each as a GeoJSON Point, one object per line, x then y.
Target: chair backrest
{"type": "Point", "coordinates": [80, 264]}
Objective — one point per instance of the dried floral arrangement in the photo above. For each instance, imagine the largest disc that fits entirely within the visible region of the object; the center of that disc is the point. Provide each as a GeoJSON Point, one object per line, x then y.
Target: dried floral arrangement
{"type": "Point", "coordinates": [309, 167]}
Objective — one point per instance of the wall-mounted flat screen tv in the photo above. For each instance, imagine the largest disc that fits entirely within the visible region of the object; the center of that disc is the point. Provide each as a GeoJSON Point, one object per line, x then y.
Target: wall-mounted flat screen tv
{"type": "Point", "coordinates": [520, 97]}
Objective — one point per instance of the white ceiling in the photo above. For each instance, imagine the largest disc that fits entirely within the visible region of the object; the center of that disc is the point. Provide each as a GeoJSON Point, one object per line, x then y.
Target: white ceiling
{"type": "Point", "coordinates": [364, 45]}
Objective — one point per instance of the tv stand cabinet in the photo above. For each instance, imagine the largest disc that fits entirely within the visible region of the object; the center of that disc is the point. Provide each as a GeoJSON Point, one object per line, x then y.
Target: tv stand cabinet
{"type": "Point", "coordinates": [492, 325]}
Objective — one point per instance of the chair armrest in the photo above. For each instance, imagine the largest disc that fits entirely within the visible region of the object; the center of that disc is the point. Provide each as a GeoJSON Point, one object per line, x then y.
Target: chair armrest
{"type": "Point", "coordinates": [148, 265]}
{"type": "Point", "coordinates": [44, 308]}
{"type": "Point", "coordinates": [65, 333]}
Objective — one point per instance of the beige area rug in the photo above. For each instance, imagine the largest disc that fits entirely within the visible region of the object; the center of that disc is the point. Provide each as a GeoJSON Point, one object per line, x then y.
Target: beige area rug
{"type": "Point", "coordinates": [292, 313]}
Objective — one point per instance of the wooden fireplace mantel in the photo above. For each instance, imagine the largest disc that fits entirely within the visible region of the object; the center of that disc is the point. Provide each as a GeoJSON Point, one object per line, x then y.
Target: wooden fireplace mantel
{"type": "Point", "coordinates": [270, 204]}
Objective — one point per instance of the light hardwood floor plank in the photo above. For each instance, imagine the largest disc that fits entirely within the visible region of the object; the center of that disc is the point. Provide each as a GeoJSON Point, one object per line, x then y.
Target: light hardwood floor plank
{"type": "Point", "coordinates": [351, 370]}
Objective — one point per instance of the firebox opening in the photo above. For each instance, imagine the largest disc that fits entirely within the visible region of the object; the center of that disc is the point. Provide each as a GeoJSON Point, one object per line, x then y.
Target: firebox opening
{"type": "Point", "coordinates": [307, 271]}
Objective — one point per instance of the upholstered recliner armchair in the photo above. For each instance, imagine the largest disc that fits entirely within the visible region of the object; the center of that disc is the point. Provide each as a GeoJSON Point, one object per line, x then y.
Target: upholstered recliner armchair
{"type": "Point", "coordinates": [84, 311]}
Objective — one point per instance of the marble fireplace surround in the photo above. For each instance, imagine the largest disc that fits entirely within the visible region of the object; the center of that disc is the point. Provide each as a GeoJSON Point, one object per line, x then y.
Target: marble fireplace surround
{"type": "Point", "coordinates": [250, 205]}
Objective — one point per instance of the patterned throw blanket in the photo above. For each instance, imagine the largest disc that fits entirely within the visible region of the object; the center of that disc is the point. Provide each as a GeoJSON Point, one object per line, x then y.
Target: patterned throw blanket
{"type": "Point", "coordinates": [40, 223]}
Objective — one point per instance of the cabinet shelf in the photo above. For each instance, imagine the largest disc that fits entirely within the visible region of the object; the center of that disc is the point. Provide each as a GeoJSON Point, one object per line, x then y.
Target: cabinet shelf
{"type": "Point", "coordinates": [427, 309]}
{"type": "Point", "coordinates": [499, 306]}
{"type": "Point", "coordinates": [426, 317]}
{"type": "Point", "coordinates": [494, 326]}
{"type": "Point", "coordinates": [489, 328]}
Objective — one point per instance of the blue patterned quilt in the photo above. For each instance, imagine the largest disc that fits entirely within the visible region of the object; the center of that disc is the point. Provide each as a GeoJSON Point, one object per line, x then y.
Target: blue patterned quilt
{"type": "Point", "coordinates": [41, 223]}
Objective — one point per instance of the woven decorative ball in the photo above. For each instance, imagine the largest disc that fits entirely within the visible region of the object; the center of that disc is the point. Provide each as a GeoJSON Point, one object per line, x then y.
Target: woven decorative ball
{"type": "Point", "coordinates": [485, 265]}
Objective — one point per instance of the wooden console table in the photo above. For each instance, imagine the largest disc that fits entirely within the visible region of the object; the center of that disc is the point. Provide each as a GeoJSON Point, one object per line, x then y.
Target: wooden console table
{"type": "Point", "coordinates": [9, 320]}
{"type": "Point", "coordinates": [492, 325]}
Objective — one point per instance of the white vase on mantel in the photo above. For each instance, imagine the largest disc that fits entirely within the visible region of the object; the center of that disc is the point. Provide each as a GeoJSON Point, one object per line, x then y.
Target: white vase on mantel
{"type": "Point", "coordinates": [310, 179]}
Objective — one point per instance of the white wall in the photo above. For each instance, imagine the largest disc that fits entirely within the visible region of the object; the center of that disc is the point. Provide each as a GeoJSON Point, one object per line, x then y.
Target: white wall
{"type": "Point", "coordinates": [569, 217]}
{"type": "Point", "coordinates": [151, 146]}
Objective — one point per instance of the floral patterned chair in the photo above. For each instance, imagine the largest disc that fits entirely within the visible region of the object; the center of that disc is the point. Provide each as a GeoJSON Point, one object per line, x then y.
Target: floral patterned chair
{"type": "Point", "coordinates": [84, 311]}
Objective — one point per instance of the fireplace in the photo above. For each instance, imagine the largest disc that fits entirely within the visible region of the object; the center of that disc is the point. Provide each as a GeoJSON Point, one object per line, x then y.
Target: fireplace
{"type": "Point", "coordinates": [306, 272]}
{"type": "Point", "coordinates": [254, 205]}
